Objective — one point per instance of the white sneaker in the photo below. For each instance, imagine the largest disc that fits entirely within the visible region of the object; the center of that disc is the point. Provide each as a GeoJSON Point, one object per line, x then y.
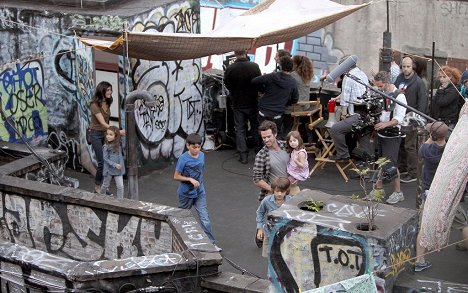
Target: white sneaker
{"type": "Point", "coordinates": [217, 248]}
{"type": "Point", "coordinates": [395, 197]}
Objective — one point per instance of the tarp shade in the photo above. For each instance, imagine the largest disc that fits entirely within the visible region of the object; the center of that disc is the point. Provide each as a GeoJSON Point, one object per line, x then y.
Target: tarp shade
{"type": "Point", "coordinates": [270, 22]}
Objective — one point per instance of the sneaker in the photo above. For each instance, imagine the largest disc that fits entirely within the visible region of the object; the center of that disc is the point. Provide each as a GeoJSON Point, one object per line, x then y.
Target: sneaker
{"type": "Point", "coordinates": [217, 248]}
{"type": "Point", "coordinates": [108, 193]}
{"type": "Point", "coordinates": [407, 178]}
{"type": "Point", "coordinates": [395, 197]}
{"type": "Point", "coordinates": [376, 193]}
{"type": "Point", "coordinates": [421, 266]}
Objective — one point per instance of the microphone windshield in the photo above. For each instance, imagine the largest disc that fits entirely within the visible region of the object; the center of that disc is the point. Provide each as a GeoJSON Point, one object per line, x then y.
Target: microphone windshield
{"type": "Point", "coordinates": [342, 68]}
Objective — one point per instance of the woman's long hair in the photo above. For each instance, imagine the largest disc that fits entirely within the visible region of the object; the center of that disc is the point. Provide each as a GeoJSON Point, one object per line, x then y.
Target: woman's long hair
{"type": "Point", "coordinates": [115, 144]}
{"type": "Point", "coordinates": [304, 67]}
{"type": "Point", "coordinates": [100, 94]}
{"type": "Point", "coordinates": [453, 73]}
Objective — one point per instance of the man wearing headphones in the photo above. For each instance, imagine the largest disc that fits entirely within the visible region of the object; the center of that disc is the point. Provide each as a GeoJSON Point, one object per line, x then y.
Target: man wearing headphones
{"type": "Point", "coordinates": [412, 86]}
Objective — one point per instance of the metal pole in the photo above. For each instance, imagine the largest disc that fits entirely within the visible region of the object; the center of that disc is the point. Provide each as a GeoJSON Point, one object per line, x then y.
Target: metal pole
{"type": "Point", "coordinates": [432, 77]}
{"type": "Point", "coordinates": [132, 167]}
{"type": "Point", "coordinates": [386, 53]}
{"type": "Point", "coordinates": [131, 138]}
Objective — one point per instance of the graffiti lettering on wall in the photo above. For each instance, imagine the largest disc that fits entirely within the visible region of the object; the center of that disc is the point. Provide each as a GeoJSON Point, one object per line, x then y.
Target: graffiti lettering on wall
{"type": "Point", "coordinates": [43, 174]}
{"type": "Point", "coordinates": [99, 23]}
{"type": "Point", "coordinates": [78, 232]}
{"type": "Point", "coordinates": [14, 276]}
{"type": "Point", "coordinates": [175, 86]}
{"type": "Point", "coordinates": [330, 254]}
{"type": "Point", "coordinates": [454, 9]}
{"type": "Point", "coordinates": [59, 85]}
{"type": "Point", "coordinates": [22, 98]}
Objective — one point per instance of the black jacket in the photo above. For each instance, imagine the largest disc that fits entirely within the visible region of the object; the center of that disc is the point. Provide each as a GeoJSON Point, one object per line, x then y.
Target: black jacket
{"type": "Point", "coordinates": [445, 105]}
{"type": "Point", "coordinates": [414, 90]}
{"type": "Point", "coordinates": [279, 90]}
{"type": "Point", "coordinates": [237, 78]}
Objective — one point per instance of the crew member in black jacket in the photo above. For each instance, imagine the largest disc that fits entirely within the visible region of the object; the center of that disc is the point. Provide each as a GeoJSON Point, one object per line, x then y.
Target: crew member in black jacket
{"type": "Point", "coordinates": [244, 97]}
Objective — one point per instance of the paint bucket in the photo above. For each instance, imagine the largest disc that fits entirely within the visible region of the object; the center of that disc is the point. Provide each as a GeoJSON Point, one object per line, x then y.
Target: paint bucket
{"type": "Point", "coordinates": [209, 143]}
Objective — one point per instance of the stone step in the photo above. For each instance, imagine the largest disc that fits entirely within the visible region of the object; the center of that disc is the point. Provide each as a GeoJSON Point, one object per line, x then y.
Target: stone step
{"type": "Point", "coordinates": [233, 283]}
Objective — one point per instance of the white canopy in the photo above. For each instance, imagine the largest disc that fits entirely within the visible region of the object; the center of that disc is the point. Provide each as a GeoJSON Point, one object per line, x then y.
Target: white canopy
{"type": "Point", "coordinates": [271, 22]}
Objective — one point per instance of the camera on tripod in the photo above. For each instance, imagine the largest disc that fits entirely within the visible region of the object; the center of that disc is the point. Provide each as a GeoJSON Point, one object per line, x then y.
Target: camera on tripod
{"type": "Point", "coordinates": [369, 113]}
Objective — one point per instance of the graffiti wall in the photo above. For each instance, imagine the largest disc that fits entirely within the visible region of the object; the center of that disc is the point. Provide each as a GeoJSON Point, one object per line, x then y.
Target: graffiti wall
{"type": "Point", "coordinates": [313, 249]}
{"type": "Point", "coordinates": [175, 86]}
{"type": "Point", "coordinates": [78, 232]}
{"type": "Point", "coordinates": [46, 81]}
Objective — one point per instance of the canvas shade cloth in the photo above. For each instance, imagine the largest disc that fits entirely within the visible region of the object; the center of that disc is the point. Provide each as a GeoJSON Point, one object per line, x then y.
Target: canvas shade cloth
{"type": "Point", "coordinates": [270, 22]}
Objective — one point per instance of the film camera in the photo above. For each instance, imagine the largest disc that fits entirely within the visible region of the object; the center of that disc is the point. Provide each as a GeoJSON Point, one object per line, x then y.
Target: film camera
{"type": "Point", "coordinates": [369, 111]}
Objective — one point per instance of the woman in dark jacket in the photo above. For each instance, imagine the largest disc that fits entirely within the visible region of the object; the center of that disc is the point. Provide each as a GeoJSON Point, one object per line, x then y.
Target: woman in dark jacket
{"type": "Point", "coordinates": [445, 101]}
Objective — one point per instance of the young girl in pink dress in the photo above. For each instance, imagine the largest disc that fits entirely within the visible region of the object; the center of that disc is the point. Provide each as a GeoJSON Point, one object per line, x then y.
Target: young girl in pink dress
{"type": "Point", "coordinates": [298, 166]}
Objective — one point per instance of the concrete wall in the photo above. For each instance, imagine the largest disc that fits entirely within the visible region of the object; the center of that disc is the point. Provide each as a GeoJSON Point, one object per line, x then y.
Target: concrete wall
{"type": "Point", "coordinates": [47, 79]}
{"type": "Point", "coordinates": [76, 239]}
{"type": "Point", "coordinates": [176, 86]}
{"type": "Point", "coordinates": [312, 249]}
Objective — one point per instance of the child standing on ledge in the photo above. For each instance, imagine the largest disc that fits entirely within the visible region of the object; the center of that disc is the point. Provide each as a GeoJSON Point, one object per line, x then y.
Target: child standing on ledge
{"type": "Point", "coordinates": [191, 191]}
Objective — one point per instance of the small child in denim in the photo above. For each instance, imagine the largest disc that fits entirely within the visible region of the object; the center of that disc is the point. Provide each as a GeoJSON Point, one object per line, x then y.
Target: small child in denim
{"type": "Point", "coordinates": [113, 161]}
{"type": "Point", "coordinates": [280, 187]}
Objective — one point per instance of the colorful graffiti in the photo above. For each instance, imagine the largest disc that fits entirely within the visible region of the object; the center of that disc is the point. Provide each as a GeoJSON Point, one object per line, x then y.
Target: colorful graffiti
{"type": "Point", "coordinates": [308, 250]}
{"type": "Point", "coordinates": [47, 95]}
{"type": "Point", "coordinates": [23, 101]}
{"type": "Point", "coordinates": [175, 86]}
{"type": "Point", "coordinates": [325, 254]}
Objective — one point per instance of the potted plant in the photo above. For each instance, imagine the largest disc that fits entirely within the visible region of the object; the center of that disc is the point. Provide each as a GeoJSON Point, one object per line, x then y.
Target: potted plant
{"type": "Point", "coordinates": [312, 205]}
{"type": "Point", "coordinates": [374, 197]}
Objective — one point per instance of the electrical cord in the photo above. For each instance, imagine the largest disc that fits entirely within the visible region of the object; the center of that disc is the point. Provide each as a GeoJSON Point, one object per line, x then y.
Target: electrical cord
{"type": "Point", "coordinates": [317, 187]}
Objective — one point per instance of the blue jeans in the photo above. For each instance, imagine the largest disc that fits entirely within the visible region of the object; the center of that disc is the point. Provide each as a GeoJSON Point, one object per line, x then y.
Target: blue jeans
{"type": "Point", "coordinates": [97, 141]}
{"type": "Point", "coordinates": [202, 210]}
{"type": "Point", "coordinates": [118, 184]}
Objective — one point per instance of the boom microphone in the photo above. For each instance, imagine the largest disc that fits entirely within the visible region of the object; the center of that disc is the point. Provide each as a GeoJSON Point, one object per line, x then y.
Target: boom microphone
{"type": "Point", "coordinates": [344, 67]}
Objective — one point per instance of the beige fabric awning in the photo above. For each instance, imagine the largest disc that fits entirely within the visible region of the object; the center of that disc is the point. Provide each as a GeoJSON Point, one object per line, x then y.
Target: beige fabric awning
{"type": "Point", "coordinates": [271, 22]}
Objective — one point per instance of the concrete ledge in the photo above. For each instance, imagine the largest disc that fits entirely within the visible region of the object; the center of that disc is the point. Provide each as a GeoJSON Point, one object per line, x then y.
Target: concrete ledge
{"type": "Point", "coordinates": [234, 283]}
{"type": "Point", "coordinates": [415, 284]}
